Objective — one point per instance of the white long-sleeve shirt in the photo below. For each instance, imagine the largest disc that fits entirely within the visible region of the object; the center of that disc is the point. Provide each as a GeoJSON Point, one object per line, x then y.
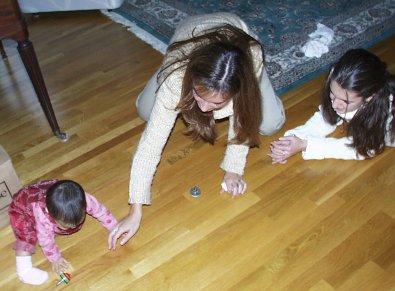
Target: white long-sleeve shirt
{"type": "Point", "coordinates": [319, 146]}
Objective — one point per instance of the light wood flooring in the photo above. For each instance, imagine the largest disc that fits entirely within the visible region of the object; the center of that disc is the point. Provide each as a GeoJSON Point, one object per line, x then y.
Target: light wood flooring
{"type": "Point", "coordinates": [306, 225]}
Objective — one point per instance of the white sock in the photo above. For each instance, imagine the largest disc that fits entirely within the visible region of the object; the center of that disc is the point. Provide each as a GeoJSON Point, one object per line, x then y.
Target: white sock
{"type": "Point", "coordinates": [27, 273]}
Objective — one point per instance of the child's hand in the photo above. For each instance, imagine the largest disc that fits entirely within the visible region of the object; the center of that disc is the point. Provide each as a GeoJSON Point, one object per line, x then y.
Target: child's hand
{"type": "Point", "coordinates": [60, 266]}
{"type": "Point", "coordinates": [286, 147]}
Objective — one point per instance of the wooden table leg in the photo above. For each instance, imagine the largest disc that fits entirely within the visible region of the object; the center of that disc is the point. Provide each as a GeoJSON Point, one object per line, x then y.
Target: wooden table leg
{"type": "Point", "coordinates": [2, 51]}
{"type": "Point", "coordinates": [28, 56]}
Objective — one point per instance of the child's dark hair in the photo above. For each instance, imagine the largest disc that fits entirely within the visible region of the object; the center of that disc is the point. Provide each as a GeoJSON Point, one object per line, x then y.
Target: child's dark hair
{"type": "Point", "coordinates": [65, 201]}
{"type": "Point", "coordinates": [362, 72]}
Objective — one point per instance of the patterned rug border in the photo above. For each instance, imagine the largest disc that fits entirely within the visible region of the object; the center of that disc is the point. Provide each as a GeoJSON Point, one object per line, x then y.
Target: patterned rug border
{"type": "Point", "coordinates": [290, 68]}
{"type": "Point", "coordinates": [143, 34]}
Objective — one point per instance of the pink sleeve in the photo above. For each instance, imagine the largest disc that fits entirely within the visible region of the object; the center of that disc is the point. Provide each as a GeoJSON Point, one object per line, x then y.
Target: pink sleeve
{"type": "Point", "coordinates": [46, 235]}
{"type": "Point", "coordinates": [97, 210]}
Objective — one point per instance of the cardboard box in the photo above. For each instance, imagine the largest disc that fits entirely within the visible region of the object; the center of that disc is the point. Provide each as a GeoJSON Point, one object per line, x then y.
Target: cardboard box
{"type": "Point", "coordinates": [9, 184]}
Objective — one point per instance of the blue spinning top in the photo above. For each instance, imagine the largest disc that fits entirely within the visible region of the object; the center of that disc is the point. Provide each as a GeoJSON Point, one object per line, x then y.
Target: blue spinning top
{"type": "Point", "coordinates": [195, 191]}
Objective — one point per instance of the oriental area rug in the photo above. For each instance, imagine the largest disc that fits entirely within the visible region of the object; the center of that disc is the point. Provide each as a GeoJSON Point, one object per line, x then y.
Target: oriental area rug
{"type": "Point", "coordinates": [283, 28]}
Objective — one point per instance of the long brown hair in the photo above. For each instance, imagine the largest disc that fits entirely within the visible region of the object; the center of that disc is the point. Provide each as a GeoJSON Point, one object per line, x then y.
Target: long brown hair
{"type": "Point", "coordinates": [220, 61]}
{"type": "Point", "coordinates": [364, 73]}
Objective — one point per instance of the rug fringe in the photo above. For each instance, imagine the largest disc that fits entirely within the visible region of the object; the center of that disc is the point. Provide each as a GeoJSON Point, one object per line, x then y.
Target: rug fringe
{"type": "Point", "coordinates": [140, 33]}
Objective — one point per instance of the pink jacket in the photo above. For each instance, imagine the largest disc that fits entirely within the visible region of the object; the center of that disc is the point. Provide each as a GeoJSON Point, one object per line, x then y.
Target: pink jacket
{"type": "Point", "coordinates": [31, 222]}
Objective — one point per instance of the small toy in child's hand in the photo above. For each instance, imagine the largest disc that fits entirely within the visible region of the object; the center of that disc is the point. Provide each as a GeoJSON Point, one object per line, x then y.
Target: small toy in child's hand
{"type": "Point", "coordinates": [224, 187]}
{"type": "Point", "coordinates": [65, 277]}
{"type": "Point", "coordinates": [195, 191]}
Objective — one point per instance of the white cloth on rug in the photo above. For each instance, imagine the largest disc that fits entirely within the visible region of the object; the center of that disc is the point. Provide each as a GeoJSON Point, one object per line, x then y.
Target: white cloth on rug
{"type": "Point", "coordinates": [318, 42]}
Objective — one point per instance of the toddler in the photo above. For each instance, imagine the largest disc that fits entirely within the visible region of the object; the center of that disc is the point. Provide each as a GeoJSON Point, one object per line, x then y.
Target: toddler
{"type": "Point", "coordinates": [40, 211]}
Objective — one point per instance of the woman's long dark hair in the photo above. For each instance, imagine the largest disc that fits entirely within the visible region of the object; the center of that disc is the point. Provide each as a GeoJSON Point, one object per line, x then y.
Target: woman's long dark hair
{"type": "Point", "coordinates": [364, 73]}
{"type": "Point", "coordinates": [220, 61]}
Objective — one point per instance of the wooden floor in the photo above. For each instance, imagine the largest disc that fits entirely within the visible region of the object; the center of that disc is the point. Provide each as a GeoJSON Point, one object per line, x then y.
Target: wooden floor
{"type": "Point", "coordinates": [307, 225]}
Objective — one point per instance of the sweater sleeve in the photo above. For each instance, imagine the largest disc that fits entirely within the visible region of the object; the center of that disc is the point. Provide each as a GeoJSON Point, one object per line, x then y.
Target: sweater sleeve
{"type": "Point", "coordinates": [97, 210]}
{"type": "Point", "coordinates": [152, 142]}
{"type": "Point", "coordinates": [46, 235]}
{"type": "Point", "coordinates": [316, 126]}
{"type": "Point", "coordinates": [319, 147]}
{"type": "Point", "coordinates": [330, 148]}
{"type": "Point", "coordinates": [235, 154]}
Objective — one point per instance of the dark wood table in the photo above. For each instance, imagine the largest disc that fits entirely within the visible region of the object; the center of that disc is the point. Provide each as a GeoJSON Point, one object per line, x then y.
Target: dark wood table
{"type": "Point", "coordinates": [13, 26]}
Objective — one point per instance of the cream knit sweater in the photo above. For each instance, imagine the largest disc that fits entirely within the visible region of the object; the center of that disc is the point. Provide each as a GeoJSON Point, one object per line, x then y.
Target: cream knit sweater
{"type": "Point", "coordinates": [163, 115]}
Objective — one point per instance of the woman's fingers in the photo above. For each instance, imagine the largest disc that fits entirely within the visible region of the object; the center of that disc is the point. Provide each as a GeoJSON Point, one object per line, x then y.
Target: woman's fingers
{"type": "Point", "coordinates": [237, 187]}
{"type": "Point", "coordinates": [126, 228]}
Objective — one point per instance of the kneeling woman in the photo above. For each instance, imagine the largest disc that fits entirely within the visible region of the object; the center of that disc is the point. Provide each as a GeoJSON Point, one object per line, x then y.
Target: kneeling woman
{"type": "Point", "coordinates": [213, 69]}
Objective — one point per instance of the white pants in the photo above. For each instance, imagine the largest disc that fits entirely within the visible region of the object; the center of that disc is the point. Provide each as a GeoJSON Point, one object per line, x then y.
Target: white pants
{"type": "Point", "coordinates": [272, 107]}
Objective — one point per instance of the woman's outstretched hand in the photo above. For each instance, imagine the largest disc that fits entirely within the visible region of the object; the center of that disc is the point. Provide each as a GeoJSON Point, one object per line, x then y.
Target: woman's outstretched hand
{"type": "Point", "coordinates": [127, 227]}
{"type": "Point", "coordinates": [285, 147]}
{"type": "Point", "coordinates": [233, 184]}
